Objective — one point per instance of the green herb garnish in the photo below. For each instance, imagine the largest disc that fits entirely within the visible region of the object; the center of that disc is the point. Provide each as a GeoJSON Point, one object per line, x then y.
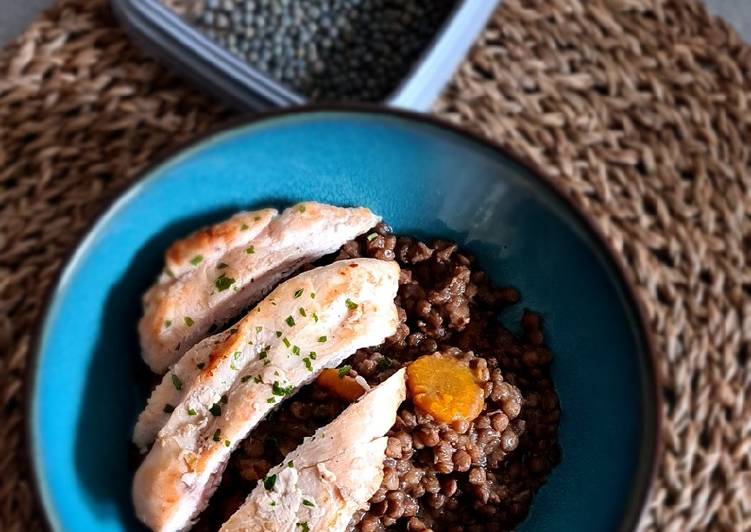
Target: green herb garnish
{"type": "Point", "coordinates": [278, 334]}
{"type": "Point", "coordinates": [226, 443]}
{"type": "Point", "coordinates": [188, 321]}
{"type": "Point", "coordinates": [290, 464]}
{"type": "Point", "coordinates": [285, 342]}
{"type": "Point", "coordinates": [322, 339]}
{"type": "Point", "coordinates": [295, 350]}
{"type": "Point", "coordinates": [167, 323]}
{"type": "Point", "coordinates": [312, 295]}
{"type": "Point", "coordinates": [306, 502]}
{"type": "Point", "coordinates": [263, 354]}
{"type": "Point", "coordinates": [315, 317]}
{"type": "Point", "coordinates": [304, 526]}
{"type": "Point", "coordinates": [312, 355]}
{"type": "Point", "coordinates": [176, 382]}
{"type": "Point", "coordinates": [298, 292]}
{"type": "Point", "coordinates": [195, 261]}
{"type": "Point", "coordinates": [191, 412]}
{"type": "Point", "coordinates": [282, 391]}
{"type": "Point", "coordinates": [257, 379]}
{"type": "Point", "coordinates": [246, 378]}
{"type": "Point", "coordinates": [344, 370]}
{"type": "Point", "coordinates": [384, 363]}
{"type": "Point", "coordinates": [351, 305]}
{"type": "Point", "coordinates": [290, 321]}
{"type": "Point", "coordinates": [259, 329]}
{"type": "Point", "coordinates": [250, 250]}
{"type": "Point", "coordinates": [223, 282]}
{"type": "Point", "coordinates": [308, 364]}
{"type": "Point", "coordinates": [302, 312]}
{"type": "Point", "coordinates": [216, 410]}
{"type": "Point", "coordinates": [244, 227]}
{"type": "Point", "coordinates": [301, 208]}
{"type": "Point", "coordinates": [271, 400]}
{"type": "Point", "coordinates": [217, 434]}
{"type": "Point", "coordinates": [372, 237]}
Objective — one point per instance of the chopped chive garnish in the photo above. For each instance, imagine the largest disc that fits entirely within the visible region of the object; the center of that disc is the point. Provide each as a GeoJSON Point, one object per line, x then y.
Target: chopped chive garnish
{"type": "Point", "coordinates": [273, 503]}
{"type": "Point", "coordinates": [169, 273]}
{"type": "Point", "coordinates": [217, 434]}
{"type": "Point", "coordinates": [257, 379]}
{"type": "Point", "coordinates": [304, 526]}
{"type": "Point", "coordinates": [201, 365]}
{"type": "Point", "coordinates": [177, 383]}
{"type": "Point", "coordinates": [298, 292]}
{"type": "Point", "coordinates": [268, 482]}
{"type": "Point", "coordinates": [351, 305]}
{"type": "Point", "coordinates": [372, 236]}
{"type": "Point", "coordinates": [167, 323]}
{"type": "Point", "coordinates": [263, 354]}
{"type": "Point", "coordinates": [226, 443]}
{"type": "Point", "coordinates": [290, 464]}
{"type": "Point", "coordinates": [306, 502]}
{"type": "Point", "coordinates": [278, 334]}
{"type": "Point", "coordinates": [295, 350]}
{"type": "Point", "coordinates": [233, 367]}
{"type": "Point", "coordinates": [344, 370]}
{"type": "Point", "coordinates": [384, 363]}
{"type": "Point", "coordinates": [250, 250]}
{"type": "Point", "coordinates": [302, 312]}
{"type": "Point", "coordinates": [223, 282]}
{"type": "Point", "coordinates": [312, 295]}
{"type": "Point", "coordinates": [315, 317]}
{"type": "Point", "coordinates": [308, 364]}
{"type": "Point", "coordinates": [168, 408]}
{"type": "Point", "coordinates": [271, 400]}
{"type": "Point", "coordinates": [244, 227]}
{"type": "Point", "coordinates": [237, 355]}
{"type": "Point", "coordinates": [222, 265]}
{"type": "Point", "coordinates": [285, 342]}
{"type": "Point", "coordinates": [259, 329]}
{"type": "Point", "coordinates": [266, 363]}
{"type": "Point", "coordinates": [322, 339]}
{"type": "Point", "coordinates": [188, 321]}
{"type": "Point", "coordinates": [246, 378]}
{"type": "Point", "coordinates": [224, 399]}
{"type": "Point", "coordinates": [290, 321]}
{"type": "Point", "coordinates": [283, 391]}
{"type": "Point", "coordinates": [312, 355]}
{"type": "Point", "coordinates": [195, 261]}
{"type": "Point", "coordinates": [191, 412]}
{"type": "Point", "coordinates": [216, 410]}
{"type": "Point", "coordinates": [301, 208]}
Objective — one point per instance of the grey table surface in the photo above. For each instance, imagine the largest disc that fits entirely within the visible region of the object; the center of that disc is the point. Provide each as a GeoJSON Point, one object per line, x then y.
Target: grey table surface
{"type": "Point", "coordinates": [16, 14]}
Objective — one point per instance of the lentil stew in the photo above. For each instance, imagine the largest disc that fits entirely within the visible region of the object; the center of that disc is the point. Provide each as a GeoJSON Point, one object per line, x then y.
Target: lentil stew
{"type": "Point", "coordinates": [465, 475]}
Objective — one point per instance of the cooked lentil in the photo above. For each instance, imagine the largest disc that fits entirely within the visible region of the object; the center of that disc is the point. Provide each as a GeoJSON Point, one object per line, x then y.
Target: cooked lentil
{"type": "Point", "coordinates": [473, 476]}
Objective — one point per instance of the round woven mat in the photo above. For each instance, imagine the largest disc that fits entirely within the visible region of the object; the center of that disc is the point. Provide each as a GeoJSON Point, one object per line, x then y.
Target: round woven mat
{"type": "Point", "coordinates": [641, 109]}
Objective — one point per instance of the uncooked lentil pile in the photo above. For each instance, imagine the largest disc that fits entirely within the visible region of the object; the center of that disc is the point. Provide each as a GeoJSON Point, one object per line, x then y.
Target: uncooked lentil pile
{"type": "Point", "coordinates": [325, 49]}
{"type": "Point", "coordinates": [472, 476]}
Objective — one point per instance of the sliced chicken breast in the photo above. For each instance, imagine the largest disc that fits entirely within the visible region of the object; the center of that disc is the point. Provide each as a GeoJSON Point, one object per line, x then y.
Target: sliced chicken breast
{"type": "Point", "coordinates": [217, 272]}
{"type": "Point", "coordinates": [310, 322]}
{"type": "Point", "coordinates": [320, 485]}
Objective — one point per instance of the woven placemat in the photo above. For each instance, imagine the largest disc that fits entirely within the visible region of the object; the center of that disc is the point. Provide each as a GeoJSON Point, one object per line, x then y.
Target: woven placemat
{"type": "Point", "coordinates": [641, 109]}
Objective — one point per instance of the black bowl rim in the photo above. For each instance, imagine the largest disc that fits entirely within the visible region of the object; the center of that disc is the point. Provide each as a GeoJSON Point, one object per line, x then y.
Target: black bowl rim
{"type": "Point", "coordinates": [652, 444]}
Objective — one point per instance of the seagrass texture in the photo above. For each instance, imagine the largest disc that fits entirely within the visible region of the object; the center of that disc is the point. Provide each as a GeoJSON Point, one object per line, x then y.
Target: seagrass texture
{"type": "Point", "coordinates": [640, 109]}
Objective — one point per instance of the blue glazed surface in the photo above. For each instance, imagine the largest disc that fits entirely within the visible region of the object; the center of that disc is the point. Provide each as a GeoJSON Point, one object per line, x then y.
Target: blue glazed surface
{"type": "Point", "coordinates": [422, 179]}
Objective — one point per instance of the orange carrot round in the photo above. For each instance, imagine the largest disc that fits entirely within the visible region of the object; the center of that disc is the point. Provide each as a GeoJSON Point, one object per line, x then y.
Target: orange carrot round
{"type": "Point", "coordinates": [339, 384]}
{"type": "Point", "coordinates": [445, 388]}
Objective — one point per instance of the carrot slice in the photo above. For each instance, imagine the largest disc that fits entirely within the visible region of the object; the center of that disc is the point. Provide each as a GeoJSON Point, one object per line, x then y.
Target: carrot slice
{"type": "Point", "coordinates": [445, 388]}
{"type": "Point", "coordinates": [344, 387]}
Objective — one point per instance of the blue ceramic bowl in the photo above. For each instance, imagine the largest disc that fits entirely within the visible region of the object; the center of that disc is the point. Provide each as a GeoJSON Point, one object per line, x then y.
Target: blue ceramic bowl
{"type": "Point", "coordinates": [425, 178]}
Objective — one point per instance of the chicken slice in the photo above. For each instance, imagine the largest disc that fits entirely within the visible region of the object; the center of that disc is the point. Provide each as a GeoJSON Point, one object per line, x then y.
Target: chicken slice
{"type": "Point", "coordinates": [320, 485]}
{"type": "Point", "coordinates": [216, 273]}
{"type": "Point", "coordinates": [311, 322]}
